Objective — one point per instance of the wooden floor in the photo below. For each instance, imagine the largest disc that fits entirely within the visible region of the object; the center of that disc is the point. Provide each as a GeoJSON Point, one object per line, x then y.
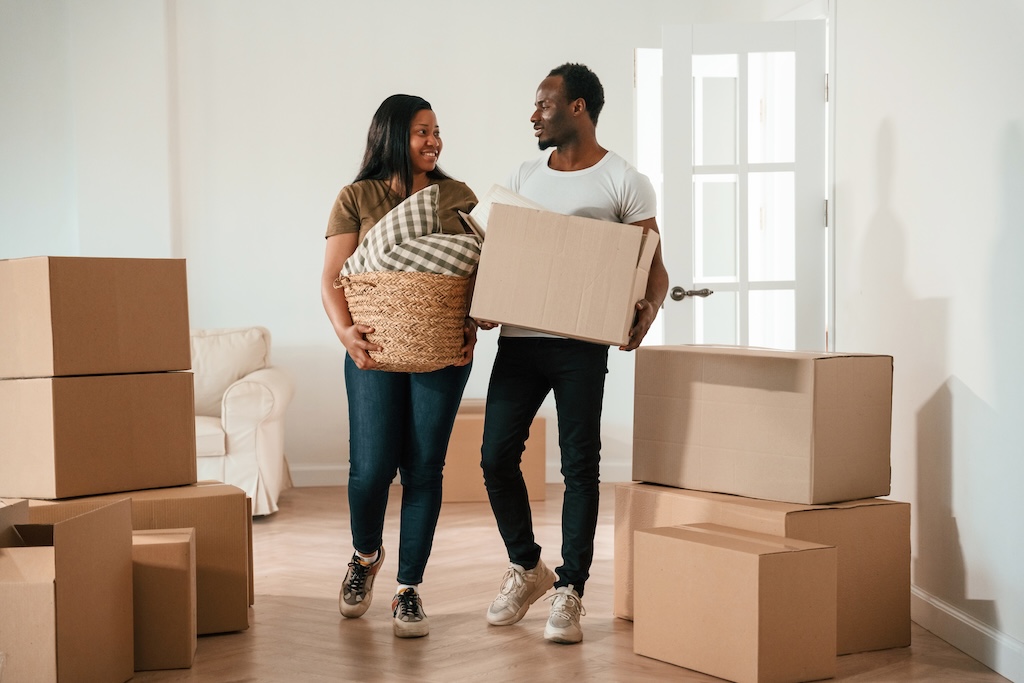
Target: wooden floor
{"type": "Point", "coordinates": [298, 635]}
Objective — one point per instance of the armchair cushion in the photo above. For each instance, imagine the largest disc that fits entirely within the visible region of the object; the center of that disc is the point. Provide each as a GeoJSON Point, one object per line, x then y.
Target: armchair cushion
{"type": "Point", "coordinates": [210, 437]}
{"type": "Point", "coordinates": [222, 357]}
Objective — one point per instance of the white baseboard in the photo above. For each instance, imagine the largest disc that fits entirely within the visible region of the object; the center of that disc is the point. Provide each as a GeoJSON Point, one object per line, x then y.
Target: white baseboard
{"type": "Point", "coordinates": [995, 649]}
{"type": "Point", "coordinates": [319, 475]}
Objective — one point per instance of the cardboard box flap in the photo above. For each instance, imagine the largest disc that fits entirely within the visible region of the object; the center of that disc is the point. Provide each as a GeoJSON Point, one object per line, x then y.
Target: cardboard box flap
{"type": "Point", "coordinates": [93, 553]}
{"type": "Point", "coordinates": [11, 513]}
{"type": "Point", "coordinates": [764, 352]}
{"type": "Point", "coordinates": [496, 194]}
{"type": "Point", "coordinates": [27, 566]}
{"type": "Point", "coordinates": [729, 538]}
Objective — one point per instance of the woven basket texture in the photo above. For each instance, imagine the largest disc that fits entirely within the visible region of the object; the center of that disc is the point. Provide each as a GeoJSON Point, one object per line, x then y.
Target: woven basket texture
{"type": "Point", "coordinates": [417, 317]}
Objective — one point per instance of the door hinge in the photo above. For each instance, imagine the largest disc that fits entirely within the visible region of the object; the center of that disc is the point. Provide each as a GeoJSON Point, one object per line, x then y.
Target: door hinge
{"type": "Point", "coordinates": [826, 87]}
{"type": "Point", "coordinates": [826, 213]}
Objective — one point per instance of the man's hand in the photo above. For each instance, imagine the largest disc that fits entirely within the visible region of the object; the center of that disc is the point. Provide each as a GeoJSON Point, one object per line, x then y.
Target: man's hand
{"type": "Point", "coordinates": [645, 314]}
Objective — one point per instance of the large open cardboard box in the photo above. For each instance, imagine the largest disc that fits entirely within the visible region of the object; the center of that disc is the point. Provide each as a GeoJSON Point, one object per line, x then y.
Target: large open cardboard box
{"type": "Point", "coordinates": [76, 436]}
{"type": "Point", "coordinates": [872, 537]}
{"type": "Point", "coordinates": [565, 275]}
{"type": "Point", "coordinates": [746, 607]}
{"type": "Point", "coordinates": [463, 477]}
{"type": "Point", "coordinates": [221, 517]}
{"type": "Point", "coordinates": [86, 316]}
{"type": "Point", "coordinates": [164, 583]}
{"type": "Point", "coordinates": [799, 427]}
{"type": "Point", "coordinates": [66, 595]}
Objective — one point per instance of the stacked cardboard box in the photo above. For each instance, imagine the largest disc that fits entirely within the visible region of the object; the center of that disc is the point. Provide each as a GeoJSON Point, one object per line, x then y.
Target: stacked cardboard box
{"type": "Point", "coordinates": [463, 478]}
{"type": "Point", "coordinates": [791, 444]}
{"type": "Point", "coordinates": [97, 408]}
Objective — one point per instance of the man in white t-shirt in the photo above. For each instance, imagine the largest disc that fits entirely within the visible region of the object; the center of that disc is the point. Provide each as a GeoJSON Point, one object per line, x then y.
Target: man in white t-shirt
{"type": "Point", "coordinates": [581, 178]}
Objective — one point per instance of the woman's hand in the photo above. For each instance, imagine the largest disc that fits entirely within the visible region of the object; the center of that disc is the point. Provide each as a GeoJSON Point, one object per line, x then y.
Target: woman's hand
{"type": "Point", "coordinates": [354, 339]}
{"type": "Point", "coordinates": [469, 341]}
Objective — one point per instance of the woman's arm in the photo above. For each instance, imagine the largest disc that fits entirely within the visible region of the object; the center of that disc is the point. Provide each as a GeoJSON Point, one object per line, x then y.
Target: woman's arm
{"type": "Point", "coordinates": [352, 336]}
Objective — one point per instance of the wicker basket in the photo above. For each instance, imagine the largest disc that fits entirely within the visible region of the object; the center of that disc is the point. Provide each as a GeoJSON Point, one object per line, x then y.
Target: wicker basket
{"type": "Point", "coordinates": [417, 317]}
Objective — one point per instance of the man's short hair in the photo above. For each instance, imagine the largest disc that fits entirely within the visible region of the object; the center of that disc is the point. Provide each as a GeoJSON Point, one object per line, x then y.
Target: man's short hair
{"type": "Point", "coordinates": [581, 82]}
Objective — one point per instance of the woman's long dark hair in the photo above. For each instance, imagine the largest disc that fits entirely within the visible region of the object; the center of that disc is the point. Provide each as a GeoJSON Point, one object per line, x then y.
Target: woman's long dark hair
{"type": "Point", "coordinates": [387, 142]}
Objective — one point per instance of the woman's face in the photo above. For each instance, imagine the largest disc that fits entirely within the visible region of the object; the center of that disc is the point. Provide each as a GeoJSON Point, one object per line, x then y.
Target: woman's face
{"type": "Point", "coordinates": [424, 141]}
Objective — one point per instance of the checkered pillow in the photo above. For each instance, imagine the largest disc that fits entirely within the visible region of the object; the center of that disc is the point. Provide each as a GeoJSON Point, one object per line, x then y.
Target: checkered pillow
{"type": "Point", "coordinates": [409, 238]}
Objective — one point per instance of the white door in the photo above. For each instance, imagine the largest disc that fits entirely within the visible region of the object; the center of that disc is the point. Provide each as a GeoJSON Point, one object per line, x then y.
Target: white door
{"type": "Point", "coordinates": [744, 184]}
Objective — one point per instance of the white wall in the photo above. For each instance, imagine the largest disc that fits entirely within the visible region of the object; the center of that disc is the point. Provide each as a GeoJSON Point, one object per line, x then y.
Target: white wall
{"type": "Point", "coordinates": [930, 242]}
{"type": "Point", "coordinates": [221, 131]}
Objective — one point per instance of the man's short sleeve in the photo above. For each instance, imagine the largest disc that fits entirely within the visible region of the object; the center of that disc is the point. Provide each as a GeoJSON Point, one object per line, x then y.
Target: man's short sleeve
{"type": "Point", "coordinates": [640, 201]}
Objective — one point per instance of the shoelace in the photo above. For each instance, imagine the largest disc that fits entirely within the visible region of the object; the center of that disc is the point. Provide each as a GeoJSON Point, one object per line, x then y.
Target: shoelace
{"type": "Point", "coordinates": [513, 581]}
{"type": "Point", "coordinates": [567, 605]}
{"type": "Point", "coordinates": [407, 605]}
{"type": "Point", "coordinates": [360, 572]}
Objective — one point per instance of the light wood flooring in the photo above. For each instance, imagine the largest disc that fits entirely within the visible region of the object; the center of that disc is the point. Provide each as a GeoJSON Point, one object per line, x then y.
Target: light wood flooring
{"type": "Point", "coordinates": [298, 635]}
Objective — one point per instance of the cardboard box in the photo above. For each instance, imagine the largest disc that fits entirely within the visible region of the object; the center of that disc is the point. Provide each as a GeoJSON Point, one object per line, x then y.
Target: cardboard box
{"type": "Point", "coordinates": [463, 478]}
{"type": "Point", "coordinates": [87, 316]}
{"type": "Point", "coordinates": [66, 595]}
{"type": "Point", "coordinates": [566, 275]}
{"type": "Point", "coordinates": [872, 537]}
{"type": "Point", "coordinates": [746, 607]}
{"type": "Point", "coordinates": [791, 426]}
{"type": "Point", "coordinates": [77, 436]}
{"type": "Point", "coordinates": [164, 578]}
{"type": "Point", "coordinates": [219, 513]}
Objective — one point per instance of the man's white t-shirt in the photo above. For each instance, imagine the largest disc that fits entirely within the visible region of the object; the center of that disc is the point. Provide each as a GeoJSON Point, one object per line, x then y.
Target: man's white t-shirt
{"type": "Point", "coordinates": [610, 190]}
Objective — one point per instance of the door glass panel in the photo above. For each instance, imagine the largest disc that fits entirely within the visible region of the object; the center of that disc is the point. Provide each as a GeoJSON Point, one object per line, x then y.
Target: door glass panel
{"type": "Point", "coordinates": [715, 109]}
{"type": "Point", "coordinates": [715, 227]}
{"type": "Point", "coordinates": [771, 227]}
{"type": "Point", "coordinates": [773, 319]}
{"type": "Point", "coordinates": [771, 107]}
{"type": "Point", "coordinates": [717, 320]}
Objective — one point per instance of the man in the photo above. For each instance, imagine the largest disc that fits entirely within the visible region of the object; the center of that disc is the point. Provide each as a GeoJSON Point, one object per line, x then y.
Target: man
{"type": "Point", "coordinates": [579, 177]}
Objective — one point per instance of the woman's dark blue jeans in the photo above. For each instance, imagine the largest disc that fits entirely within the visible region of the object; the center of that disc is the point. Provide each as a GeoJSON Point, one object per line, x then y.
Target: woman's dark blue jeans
{"type": "Point", "coordinates": [525, 370]}
{"type": "Point", "coordinates": [399, 422]}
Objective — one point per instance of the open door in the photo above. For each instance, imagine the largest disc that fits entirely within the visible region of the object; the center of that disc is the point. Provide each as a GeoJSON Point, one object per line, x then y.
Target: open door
{"type": "Point", "coordinates": [744, 184]}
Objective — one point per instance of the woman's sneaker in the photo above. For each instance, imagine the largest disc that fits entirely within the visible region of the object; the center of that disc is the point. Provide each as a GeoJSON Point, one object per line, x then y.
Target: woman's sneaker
{"type": "Point", "coordinates": [520, 588]}
{"type": "Point", "coordinates": [564, 622]}
{"type": "Point", "coordinates": [357, 588]}
{"type": "Point", "coordinates": [410, 619]}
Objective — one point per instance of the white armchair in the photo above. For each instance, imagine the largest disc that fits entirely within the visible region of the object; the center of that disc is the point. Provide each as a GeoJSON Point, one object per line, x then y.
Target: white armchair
{"type": "Point", "coordinates": [241, 401]}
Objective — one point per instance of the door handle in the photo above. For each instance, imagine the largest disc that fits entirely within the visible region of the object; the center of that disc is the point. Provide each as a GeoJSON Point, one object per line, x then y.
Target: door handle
{"type": "Point", "coordinates": [678, 293]}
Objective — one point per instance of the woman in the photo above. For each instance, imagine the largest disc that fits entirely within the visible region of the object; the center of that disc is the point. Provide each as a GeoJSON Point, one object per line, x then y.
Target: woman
{"type": "Point", "coordinates": [398, 421]}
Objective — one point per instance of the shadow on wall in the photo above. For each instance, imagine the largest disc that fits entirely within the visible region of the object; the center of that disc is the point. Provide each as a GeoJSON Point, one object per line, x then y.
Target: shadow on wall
{"type": "Point", "coordinates": [903, 322]}
{"type": "Point", "coordinates": [982, 483]}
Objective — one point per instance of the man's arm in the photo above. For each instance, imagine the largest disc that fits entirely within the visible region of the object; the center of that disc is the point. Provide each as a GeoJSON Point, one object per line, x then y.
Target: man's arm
{"type": "Point", "coordinates": [657, 287]}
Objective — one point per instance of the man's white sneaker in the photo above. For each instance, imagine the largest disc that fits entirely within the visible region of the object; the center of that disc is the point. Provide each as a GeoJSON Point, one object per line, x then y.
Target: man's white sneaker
{"type": "Point", "coordinates": [519, 589]}
{"type": "Point", "coordinates": [564, 622]}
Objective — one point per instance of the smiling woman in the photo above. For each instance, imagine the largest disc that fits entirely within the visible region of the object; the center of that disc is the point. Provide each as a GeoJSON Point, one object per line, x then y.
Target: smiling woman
{"type": "Point", "coordinates": [398, 421]}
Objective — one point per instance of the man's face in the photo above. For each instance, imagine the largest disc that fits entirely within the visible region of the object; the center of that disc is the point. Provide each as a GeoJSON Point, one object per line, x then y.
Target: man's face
{"type": "Point", "coordinates": [552, 119]}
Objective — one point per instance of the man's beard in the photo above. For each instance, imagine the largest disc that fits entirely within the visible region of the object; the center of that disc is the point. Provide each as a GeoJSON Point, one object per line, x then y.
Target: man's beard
{"type": "Point", "coordinates": [545, 144]}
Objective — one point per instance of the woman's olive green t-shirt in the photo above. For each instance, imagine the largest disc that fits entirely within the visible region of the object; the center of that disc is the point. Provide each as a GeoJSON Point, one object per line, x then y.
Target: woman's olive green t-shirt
{"type": "Point", "coordinates": [361, 205]}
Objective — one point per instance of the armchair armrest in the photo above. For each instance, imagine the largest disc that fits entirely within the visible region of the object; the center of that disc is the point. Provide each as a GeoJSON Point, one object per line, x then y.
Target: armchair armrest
{"type": "Point", "coordinates": [259, 396]}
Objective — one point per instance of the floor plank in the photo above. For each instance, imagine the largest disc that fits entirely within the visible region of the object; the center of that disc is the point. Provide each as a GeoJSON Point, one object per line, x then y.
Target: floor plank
{"type": "Point", "coordinates": [298, 635]}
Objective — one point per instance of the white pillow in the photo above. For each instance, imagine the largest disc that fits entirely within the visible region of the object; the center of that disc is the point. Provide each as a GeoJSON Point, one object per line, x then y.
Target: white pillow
{"type": "Point", "coordinates": [222, 357]}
